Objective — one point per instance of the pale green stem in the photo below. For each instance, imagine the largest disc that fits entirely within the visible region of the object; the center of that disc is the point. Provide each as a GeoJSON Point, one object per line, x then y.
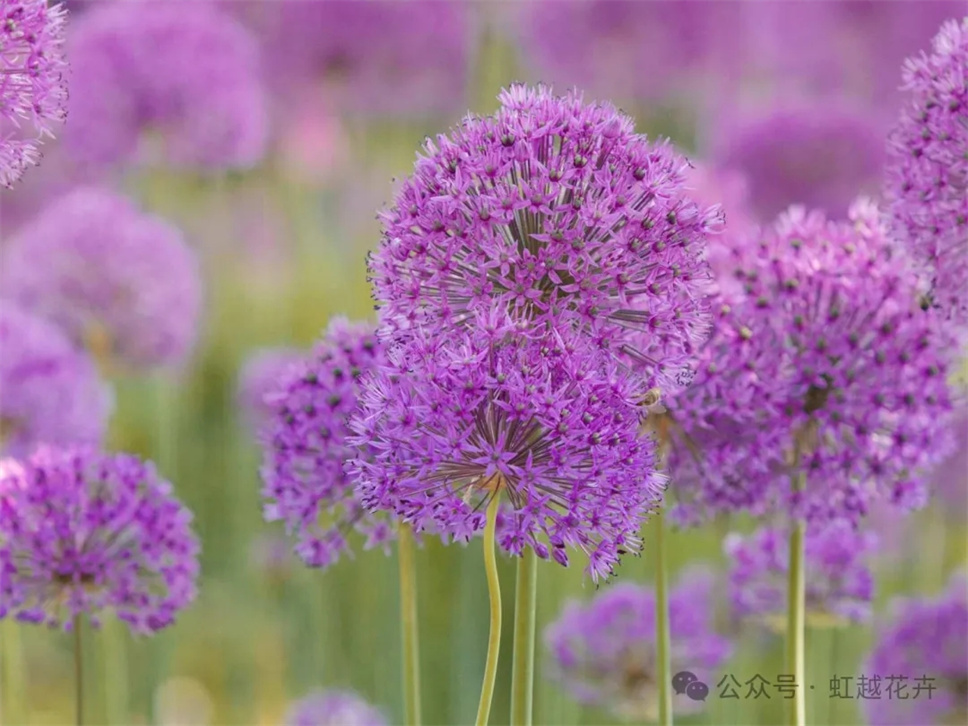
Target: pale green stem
{"type": "Point", "coordinates": [663, 640]}
{"type": "Point", "coordinates": [494, 588]}
{"type": "Point", "coordinates": [795, 661]}
{"type": "Point", "coordinates": [12, 672]}
{"type": "Point", "coordinates": [522, 670]}
{"type": "Point", "coordinates": [115, 672]}
{"type": "Point", "coordinates": [78, 673]}
{"type": "Point", "coordinates": [408, 625]}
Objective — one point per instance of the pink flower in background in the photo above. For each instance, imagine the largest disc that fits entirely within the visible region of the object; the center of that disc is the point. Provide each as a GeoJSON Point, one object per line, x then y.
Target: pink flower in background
{"type": "Point", "coordinates": [313, 142]}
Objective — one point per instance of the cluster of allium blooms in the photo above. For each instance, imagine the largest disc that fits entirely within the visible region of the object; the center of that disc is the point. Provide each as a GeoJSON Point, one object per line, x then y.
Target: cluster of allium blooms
{"type": "Point", "coordinates": [821, 155]}
{"type": "Point", "coordinates": [927, 177]}
{"type": "Point", "coordinates": [83, 532]}
{"type": "Point", "coordinates": [49, 391]}
{"type": "Point", "coordinates": [839, 586]}
{"type": "Point", "coordinates": [603, 652]}
{"type": "Point", "coordinates": [121, 281]}
{"type": "Point", "coordinates": [333, 708]}
{"type": "Point", "coordinates": [543, 421]}
{"type": "Point", "coordinates": [186, 71]}
{"type": "Point", "coordinates": [260, 374]}
{"type": "Point", "coordinates": [824, 367]}
{"type": "Point", "coordinates": [305, 446]}
{"type": "Point", "coordinates": [925, 637]}
{"type": "Point", "coordinates": [374, 57]}
{"type": "Point", "coordinates": [556, 213]}
{"type": "Point", "coordinates": [33, 90]}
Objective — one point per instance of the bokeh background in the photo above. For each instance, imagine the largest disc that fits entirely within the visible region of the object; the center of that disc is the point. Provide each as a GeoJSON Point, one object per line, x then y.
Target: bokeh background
{"type": "Point", "coordinates": [779, 102]}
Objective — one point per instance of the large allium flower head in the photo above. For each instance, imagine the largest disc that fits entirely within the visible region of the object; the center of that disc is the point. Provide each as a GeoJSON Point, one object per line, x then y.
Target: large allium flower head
{"type": "Point", "coordinates": [124, 282]}
{"type": "Point", "coordinates": [33, 90]}
{"type": "Point", "coordinates": [926, 638]}
{"type": "Point", "coordinates": [603, 652]}
{"type": "Point", "coordinates": [821, 154]}
{"type": "Point", "coordinates": [334, 708]}
{"type": "Point", "coordinates": [83, 532]}
{"type": "Point", "coordinates": [839, 584]}
{"type": "Point", "coordinates": [259, 375]}
{"type": "Point", "coordinates": [927, 174]}
{"type": "Point", "coordinates": [186, 72]}
{"type": "Point", "coordinates": [305, 446]}
{"type": "Point", "coordinates": [546, 423]}
{"type": "Point", "coordinates": [554, 211]}
{"type": "Point", "coordinates": [839, 377]}
{"type": "Point", "coordinates": [49, 391]}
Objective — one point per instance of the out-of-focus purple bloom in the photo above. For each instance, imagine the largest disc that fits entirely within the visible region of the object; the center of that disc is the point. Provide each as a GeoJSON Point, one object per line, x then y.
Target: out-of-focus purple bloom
{"type": "Point", "coordinates": [185, 72]}
{"type": "Point", "coordinates": [33, 90]}
{"type": "Point", "coordinates": [927, 176]}
{"type": "Point", "coordinates": [82, 532]}
{"type": "Point", "coordinates": [304, 441]}
{"type": "Point", "coordinates": [49, 391]}
{"type": "Point", "coordinates": [370, 57]}
{"type": "Point", "coordinates": [821, 155]}
{"type": "Point", "coordinates": [926, 639]}
{"type": "Point", "coordinates": [949, 480]}
{"type": "Point", "coordinates": [113, 277]}
{"type": "Point", "coordinates": [603, 652]}
{"type": "Point", "coordinates": [334, 708]}
{"type": "Point", "coordinates": [839, 585]}
{"type": "Point", "coordinates": [631, 50]}
{"type": "Point", "coordinates": [822, 366]}
{"type": "Point", "coordinates": [542, 421]}
{"type": "Point", "coordinates": [552, 211]}
{"type": "Point", "coordinates": [260, 375]}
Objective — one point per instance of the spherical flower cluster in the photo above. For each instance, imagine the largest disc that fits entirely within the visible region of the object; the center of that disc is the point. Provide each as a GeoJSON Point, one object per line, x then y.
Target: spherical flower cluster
{"type": "Point", "coordinates": [839, 586]}
{"type": "Point", "coordinates": [305, 446]}
{"type": "Point", "coordinates": [259, 376]}
{"type": "Point", "coordinates": [822, 155]}
{"type": "Point", "coordinates": [33, 90]}
{"type": "Point", "coordinates": [378, 57]}
{"type": "Point", "coordinates": [121, 281]}
{"type": "Point", "coordinates": [333, 708]}
{"type": "Point", "coordinates": [824, 368]}
{"type": "Point", "coordinates": [603, 652]}
{"type": "Point", "coordinates": [83, 532]}
{"type": "Point", "coordinates": [927, 176]}
{"type": "Point", "coordinates": [49, 391]}
{"type": "Point", "coordinates": [186, 72]}
{"type": "Point", "coordinates": [926, 639]}
{"type": "Point", "coordinates": [544, 422]}
{"type": "Point", "coordinates": [556, 213]}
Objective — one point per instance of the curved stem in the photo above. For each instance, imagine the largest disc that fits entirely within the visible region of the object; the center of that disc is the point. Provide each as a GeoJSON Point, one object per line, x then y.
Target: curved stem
{"type": "Point", "coordinates": [408, 625]}
{"type": "Point", "coordinates": [522, 659]}
{"type": "Point", "coordinates": [663, 640]}
{"type": "Point", "coordinates": [494, 588]}
{"type": "Point", "coordinates": [795, 661]}
{"type": "Point", "coordinates": [78, 672]}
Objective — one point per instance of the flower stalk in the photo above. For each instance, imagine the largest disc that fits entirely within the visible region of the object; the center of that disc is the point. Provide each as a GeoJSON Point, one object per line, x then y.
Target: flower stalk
{"type": "Point", "coordinates": [525, 610]}
{"type": "Point", "coordinates": [78, 672]}
{"type": "Point", "coordinates": [494, 588]}
{"type": "Point", "coordinates": [408, 625]}
{"type": "Point", "coordinates": [663, 639]}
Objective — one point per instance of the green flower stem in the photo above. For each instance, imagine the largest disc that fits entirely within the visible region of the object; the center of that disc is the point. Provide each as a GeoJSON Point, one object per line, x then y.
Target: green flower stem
{"type": "Point", "coordinates": [78, 673]}
{"type": "Point", "coordinates": [12, 670]}
{"type": "Point", "coordinates": [795, 661]}
{"type": "Point", "coordinates": [663, 641]}
{"type": "Point", "coordinates": [408, 625]}
{"type": "Point", "coordinates": [494, 588]}
{"type": "Point", "coordinates": [522, 671]}
{"type": "Point", "coordinates": [115, 672]}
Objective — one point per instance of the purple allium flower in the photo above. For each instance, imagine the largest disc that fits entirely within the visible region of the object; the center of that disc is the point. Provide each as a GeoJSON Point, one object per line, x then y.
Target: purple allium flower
{"type": "Point", "coordinates": [543, 421]}
{"type": "Point", "coordinates": [120, 280]}
{"type": "Point", "coordinates": [927, 176]}
{"type": "Point", "coordinates": [839, 585]}
{"type": "Point", "coordinates": [334, 708]}
{"type": "Point", "coordinates": [33, 92]}
{"type": "Point", "coordinates": [823, 366]}
{"type": "Point", "coordinates": [82, 532]}
{"type": "Point", "coordinates": [373, 57]}
{"type": "Point", "coordinates": [304, 440]}
{"type": "Point", "coordinates": [926, 637]}
{"type": "Point", "coordinates": [187, 72]}
{"type": "Point", "coordinates": [822, 155]}
{"type": "Point", "coordinates": [949, 479]}
{"type": "Point", "coordinates": [259, 375]}
{"type": "Point", "coordinates": [603, 652]}
{"type": "Point", "coordinates": [557, 213]}
{"type": "Point", "coordinates": [49, 391]}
